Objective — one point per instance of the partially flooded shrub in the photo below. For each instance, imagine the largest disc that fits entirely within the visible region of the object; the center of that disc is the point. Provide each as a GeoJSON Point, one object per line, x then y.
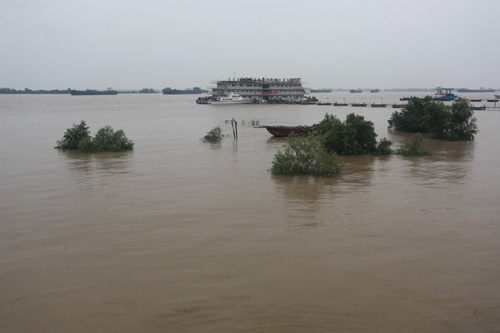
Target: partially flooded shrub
{"type": "Point", "coordinates": [73, 136]}
{"type": "Point", "coordinates": [106, 139]}
{"type": "Point", "coordinates": [306, 156]}
{"type": "Point", "coordinates": [215, 135]}
{"type": "Point", "coordinates": [384, 147]}
{"type": "Point", "coordinates": [414, 147]}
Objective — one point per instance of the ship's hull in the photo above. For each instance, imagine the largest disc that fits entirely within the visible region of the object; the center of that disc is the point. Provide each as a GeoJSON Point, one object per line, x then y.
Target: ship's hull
{"type": "Point", "coordinates": [229, 102]}
{"type": "Point", "coordinates": [284, 131]}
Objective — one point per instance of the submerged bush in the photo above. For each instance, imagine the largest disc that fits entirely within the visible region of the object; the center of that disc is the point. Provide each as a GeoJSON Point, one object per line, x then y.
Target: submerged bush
{"type": "Point", "coordinates": [106, 139]}
{"type": "Point", "coordinates": [215, 135]}
{"type": "Point", "coordinates": [384, 147]}
{"type": "Point", "coordinates": [354, 136]}
{"type": "Point", "coordinates": [73, 136]}
{"type": "Point", "coordinates": [425, 115]}
{"type": "Point", "coordinates": [306, 156]}
{"type": "Point", "coordinates": [414, 147]}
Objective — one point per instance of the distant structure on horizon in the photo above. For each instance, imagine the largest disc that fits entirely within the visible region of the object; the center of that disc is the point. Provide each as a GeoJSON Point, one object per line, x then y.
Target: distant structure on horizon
{"type": "Point", "coordinates": [194, 91]}
{"type": "Point", "coordinates": [321, 90]}
{"type": "Point", "coordinates": [88, 92]}
{"type": "Point", "coordinates": [480, 90]}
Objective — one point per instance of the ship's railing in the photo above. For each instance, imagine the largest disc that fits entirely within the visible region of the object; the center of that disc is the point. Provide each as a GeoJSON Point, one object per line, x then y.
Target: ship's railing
{"type": "Point", "coordinates": [260, 80]}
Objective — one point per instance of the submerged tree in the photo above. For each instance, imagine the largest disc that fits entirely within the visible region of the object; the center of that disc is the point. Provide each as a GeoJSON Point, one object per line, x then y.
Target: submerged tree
{"type": "Point", "coordinates": [306, 156]}
{"type": "Point", "coordinates": [414, 147]}
{"type": "Point", "coordinates": [106, 139]}
{"type": "Point", "coordinates": [425, 115]}
{"type": "Point", "coordinates": [354, 136]}
{"type": "Point", "coordinates": [73, 136]}
{"type": "Point", "coordinates": [214, 135]}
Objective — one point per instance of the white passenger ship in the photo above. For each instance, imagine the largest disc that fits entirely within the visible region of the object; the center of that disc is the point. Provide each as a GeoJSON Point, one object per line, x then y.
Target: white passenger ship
{"type": "Point", "coordinates": [261, 90]}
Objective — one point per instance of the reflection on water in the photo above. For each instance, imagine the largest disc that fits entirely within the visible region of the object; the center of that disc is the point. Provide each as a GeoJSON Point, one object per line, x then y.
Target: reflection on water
{"type": "Point", "coordinates": [94, 170]}
{"type": "Point", "coordinates": [107, 162]}
{"type": "Point", "coordinates": [449, 163]}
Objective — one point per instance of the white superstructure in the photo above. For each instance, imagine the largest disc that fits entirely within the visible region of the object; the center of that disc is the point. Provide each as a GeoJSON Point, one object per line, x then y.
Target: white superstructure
{"type": "Point", "coordinates": [231, 99]}
{"type": "Point", "coordinates": [263, 89]}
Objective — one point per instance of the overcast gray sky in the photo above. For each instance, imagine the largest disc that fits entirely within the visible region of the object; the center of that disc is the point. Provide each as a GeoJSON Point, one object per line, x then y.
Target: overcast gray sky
{"type": "Point", "coordinates": [134, 44]}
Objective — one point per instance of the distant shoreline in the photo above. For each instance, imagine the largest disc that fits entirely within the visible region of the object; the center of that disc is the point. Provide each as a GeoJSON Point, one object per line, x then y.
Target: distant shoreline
{"type": "Point", "coordinates": [8, 91]}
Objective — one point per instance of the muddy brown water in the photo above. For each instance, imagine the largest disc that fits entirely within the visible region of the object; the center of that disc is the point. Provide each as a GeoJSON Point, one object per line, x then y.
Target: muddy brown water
{"type": "Point", "coordinates": [183, 236]}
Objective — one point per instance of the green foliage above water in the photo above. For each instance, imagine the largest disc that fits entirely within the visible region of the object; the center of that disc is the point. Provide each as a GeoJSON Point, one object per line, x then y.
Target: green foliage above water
{"type": "Point", "coordinates": [73, 136]}
{"type": "Point", "coordinates": [214, 135]}
{"type": "Point", "coordinates": [354, 136]}
{"type": "Point", "coordinates": [306, 156]}
{"type": "Point", "coordinates": [425, 115]}
{"type": "Point", "coordinates": [106, 139]}
{"type": "Point", "coordinates": [414, 147]}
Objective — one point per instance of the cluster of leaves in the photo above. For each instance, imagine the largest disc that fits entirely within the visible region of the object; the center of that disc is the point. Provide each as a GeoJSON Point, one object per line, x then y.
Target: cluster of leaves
{"type": "Point", "coordinates": [214, 135]}
{"type": "Point", "coordinates": [414, 147]}
{"type": "Point", "coordinates": [106, 139]}
{"type": "Point", "coordinates": [426, 115]}
{"type": "Point", "coordinates": [73, 136]}
{"type": "Point", "coordinates": [306, 156]}
{"type": "Point", "coordinates": [354, 136]}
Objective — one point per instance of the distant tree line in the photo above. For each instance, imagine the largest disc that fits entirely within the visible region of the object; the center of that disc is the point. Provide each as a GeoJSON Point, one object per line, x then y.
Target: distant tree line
{"type": "Point", "coordinates": [29, 91]}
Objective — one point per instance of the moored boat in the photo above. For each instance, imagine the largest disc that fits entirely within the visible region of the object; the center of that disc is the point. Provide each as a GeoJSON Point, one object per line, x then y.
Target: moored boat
{"type": "Point", "coordinates": [444, 94]}
{"type": "Point", "coordinates": [359, 104]}
{"type": "Point", "coordinates": [231, 99]}
{"type": "Point", "coordinates": [284, 131]}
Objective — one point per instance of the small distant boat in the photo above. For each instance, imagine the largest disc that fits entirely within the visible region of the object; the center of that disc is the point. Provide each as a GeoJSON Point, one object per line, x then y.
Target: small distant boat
{"type": "Point", "coordinates": [284, 131]}
{"type": "Point", "coordinates": [493, 100]}
{"type": "Point", "coordinates": [375, 91]}
{"type": "Point", "coordinates": [359, 104]}
{"type": "Point", "coordinates": [323, 103]}
{"type": "Point", "coordinates": [355, 91]}
{"type": "Point", "coordinates": [231, 99]}
{"type": "Point", "coordinates": [444, 94]}
{"type": "Point", "coordinates": [476, 100]}
{"type": "Point", "coordinates": [397, 106]}
{"type": "Point", "coordinates": [340, 104]}
{"type": "Point", "coordinates": [378, 105]}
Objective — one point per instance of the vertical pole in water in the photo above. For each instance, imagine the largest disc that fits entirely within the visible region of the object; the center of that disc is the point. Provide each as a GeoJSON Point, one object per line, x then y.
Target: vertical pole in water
{"type": "Point", "coordinates": [234, 125]}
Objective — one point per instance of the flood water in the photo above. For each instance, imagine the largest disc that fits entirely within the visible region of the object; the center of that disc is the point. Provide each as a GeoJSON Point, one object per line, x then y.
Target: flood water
{"type": "Point", "coordinates": [183, 236]}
